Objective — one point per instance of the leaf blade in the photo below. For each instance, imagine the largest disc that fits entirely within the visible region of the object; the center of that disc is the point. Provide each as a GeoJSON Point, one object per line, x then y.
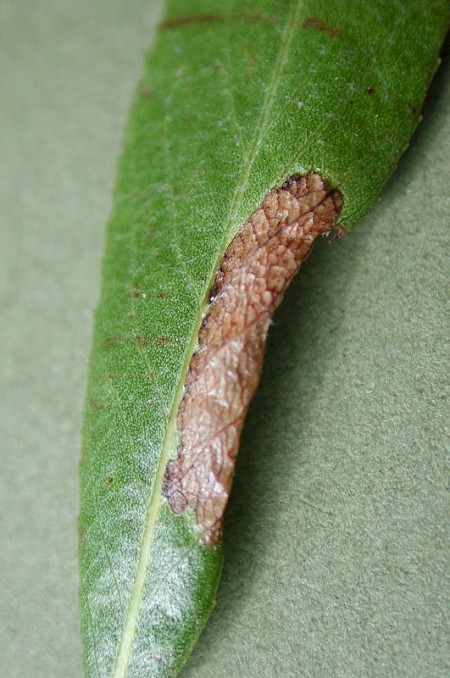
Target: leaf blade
{"type": "Point", "coordinates": [142, 345]}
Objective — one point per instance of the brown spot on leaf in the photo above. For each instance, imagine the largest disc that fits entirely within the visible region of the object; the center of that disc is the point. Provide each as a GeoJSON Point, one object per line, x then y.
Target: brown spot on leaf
{"type": "Point", "coordinates": [146, 91]}
{"type": "Point", "coordinates": [97, 405]}
{"type": "Point", "coordinates": [319, 25]}
{"type": "Point", "coordinates": [163, 339]}
{"type": "Point", "coordinates": [213, 291]}
{"type": "Point", "coordinates": [415, 111]}
{"type": "Point", "coordinates": [255, 271]}
{"type": "Point", "coordinates": [113, 340]}
{"type": "Point", "coordinates": [137, 294]}
{"type": "Point", "coordinates": [189, 19]}
{"type": "Point", "coordinates": [140, 340]}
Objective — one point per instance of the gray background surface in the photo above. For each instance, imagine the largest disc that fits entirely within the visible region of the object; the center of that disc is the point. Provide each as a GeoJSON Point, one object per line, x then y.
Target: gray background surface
{"type": "Point", "coordinates": [335, 541]}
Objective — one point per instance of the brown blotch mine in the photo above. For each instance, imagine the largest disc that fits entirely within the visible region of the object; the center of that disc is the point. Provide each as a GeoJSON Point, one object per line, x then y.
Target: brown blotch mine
{"type": "Point", "coordinates": [223, 375]}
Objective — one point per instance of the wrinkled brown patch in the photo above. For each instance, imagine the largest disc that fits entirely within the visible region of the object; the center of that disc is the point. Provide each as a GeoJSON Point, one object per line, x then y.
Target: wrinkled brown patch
{"type": "Point", "coordinates": [223, 375]}
{"type": "Point", "coordinates": [319, 25]}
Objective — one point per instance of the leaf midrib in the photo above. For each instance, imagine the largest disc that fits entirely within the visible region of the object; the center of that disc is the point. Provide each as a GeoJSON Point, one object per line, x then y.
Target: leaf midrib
{"type": "Point", "coordinates": [130, 623]}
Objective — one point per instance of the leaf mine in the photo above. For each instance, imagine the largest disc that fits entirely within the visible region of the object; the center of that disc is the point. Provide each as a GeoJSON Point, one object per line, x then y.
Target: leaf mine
{"type": "Point", "coordinates": [223, 375]}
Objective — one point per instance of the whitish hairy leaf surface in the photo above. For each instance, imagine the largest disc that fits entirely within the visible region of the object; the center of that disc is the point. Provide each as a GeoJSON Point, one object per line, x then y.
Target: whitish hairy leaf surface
{"type": "Point", "coordinates": [238, 102]}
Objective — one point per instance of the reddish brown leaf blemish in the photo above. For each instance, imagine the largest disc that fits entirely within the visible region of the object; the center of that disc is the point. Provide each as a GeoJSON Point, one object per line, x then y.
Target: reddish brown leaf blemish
{"type": "Point", "coordinates": [137, 294]}
{"type": "Point", "coordinates": [163, 339]}
{"type": "Point", "coordinates": [319, 25]}
{"type": "Point", "coordinates": [113, 340]}
{"type": "Point", "coordinates": [189, 19]}
{"type": "Point", "coordinates": [255, 271]}
{"type": "Point", "coordinates": [97, 405]}
{"type": "Point", "coordinates": [186, 20]}
{"type": "Point", "coordinates": [140, 340]}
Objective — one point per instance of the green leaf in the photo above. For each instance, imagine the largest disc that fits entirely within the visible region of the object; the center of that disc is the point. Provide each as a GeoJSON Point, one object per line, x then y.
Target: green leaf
{"type": "Point", "coordinates": [233, 102]}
